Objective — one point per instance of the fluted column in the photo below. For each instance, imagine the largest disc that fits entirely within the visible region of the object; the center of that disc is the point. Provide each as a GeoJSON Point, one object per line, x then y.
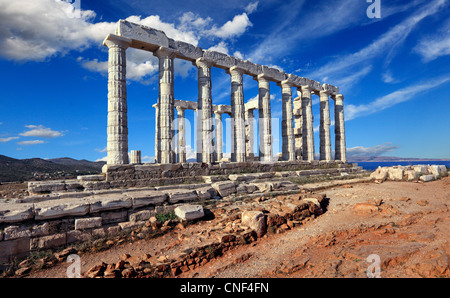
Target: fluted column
{"type": "Point", "coordinates": [205, 110]}
{"type": "Point", "coordinates": [166, 103]}
{"type": "Point", "coordinates": [249, 137]}
{"type": "Point", "coordinates": [298, 126]}
{"type": "Point", "coordinates": [238, 153]}
{"type": "Point", "coordinates": [287, 122]}
{"type": "Point", "coordinates": [117, 129]}
{"type": "Point", "coordinates": [157, 136]}
{"type": "Point", "coordinates": [325, 138]}
{"type": "Point", "coordinates": [135, 157]}
{"type": "Point", "coordinates": [265, 121]}
{"type": "Point", "coordinates": [308, 128]}
{"type": "Point", "coordinates": [181, 152]}
{"type": "Point", "coordinates": [219, 135]}
{"type": "Point", "coordinates": [339, 129]}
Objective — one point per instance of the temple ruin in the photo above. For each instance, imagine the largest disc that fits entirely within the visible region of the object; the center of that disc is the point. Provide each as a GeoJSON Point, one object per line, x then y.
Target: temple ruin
{"type": "Point", "coordinates": [297, 118]}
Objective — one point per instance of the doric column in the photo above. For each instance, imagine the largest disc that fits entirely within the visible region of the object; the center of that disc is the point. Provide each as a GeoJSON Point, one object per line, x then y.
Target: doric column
{"type": "Point", "coordinates": [157, 136]}
{"type": "Point", "coordinates": [265, 121]}
{"type": "Point", "coordinates": [308, 128]}
{"type": "Point", "coordinates": [339, 129]}
{"type": "Point", "coordinates": [219, 135]}
{"type": "Point", "coordinates": [166, 104]}
{"type": "Point", "coordinates": [117, 129]}
{"type": "Point", "coordinates": [249, 137]}
{"type": "Point", "coordinates": [325, 138]}
{"type": "Point", "coordinates": [205, 110]}
{"type": "Point", "coordinates": [181, 155]}
{"type": "Point", "coordinates": [238, 153]}
{"type": "Point", "coordinates": [135, 157]}
{"type": "Point", "coordinates": [298, 126]}
{"type": "Point", "coordinates": [287, 123]}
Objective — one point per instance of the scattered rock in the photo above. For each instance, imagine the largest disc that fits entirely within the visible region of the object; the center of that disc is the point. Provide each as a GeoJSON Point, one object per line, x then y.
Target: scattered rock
{"type": "Point", "coordinates": [189, 212]}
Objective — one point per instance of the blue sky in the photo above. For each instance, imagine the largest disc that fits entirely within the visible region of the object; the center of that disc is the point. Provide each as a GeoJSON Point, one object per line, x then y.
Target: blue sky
{"type": "Point", "coordinates": [394, 71]}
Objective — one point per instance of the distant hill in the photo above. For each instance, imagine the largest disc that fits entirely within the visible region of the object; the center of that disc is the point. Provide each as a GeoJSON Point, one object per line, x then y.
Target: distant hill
{"type": "Point", "coordinates": [12, 169]}
{"type": "Point", "coordinates": [388, 158]}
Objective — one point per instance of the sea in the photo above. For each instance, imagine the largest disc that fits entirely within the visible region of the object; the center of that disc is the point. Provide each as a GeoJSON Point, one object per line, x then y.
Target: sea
{"type": "Point", "coordinates": [370, 166]}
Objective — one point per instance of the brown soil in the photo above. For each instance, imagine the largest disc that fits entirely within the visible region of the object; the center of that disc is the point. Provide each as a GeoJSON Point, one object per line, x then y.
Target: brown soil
{"type": "Point", "coordinates": [405, 223]}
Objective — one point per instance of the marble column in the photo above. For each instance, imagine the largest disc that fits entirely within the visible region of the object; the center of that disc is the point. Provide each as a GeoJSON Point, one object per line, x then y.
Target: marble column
{"type": "Point", "coordinates": [265, 121]}
{"type": "Point", "coordinates": [249, 137]}
{"type": "Point", "coordinates": [135, 157]}
{"type": "Point", "coordinates": [219, 135]}
{"type": "Point", "coordinates": [287, 122]}
{"type": "Point", "coordinates": [117, 129]}
{"type": "Point", "coordinates": [339, 129]}
{"type": "Point", "coordinates": [298, 120]}
{"type": "Point", "coordinates": [205, 110]}
{"type": "Point", "coordinates": [157, 136]}
{"type": "Point", "coordinates": [166, 104]}
{"type": "Point", "coordinates": [308, 128]}
{"type": "Point", "coordinates": [181, 152]}
{"type": "Point", "coordinates": [325, 138]}
{"type": "Point", "coordinates": [238, 153]}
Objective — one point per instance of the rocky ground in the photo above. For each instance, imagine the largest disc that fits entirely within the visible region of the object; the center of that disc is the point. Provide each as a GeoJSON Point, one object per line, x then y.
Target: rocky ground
{"type": "Point", "coordinates": [406, 224]}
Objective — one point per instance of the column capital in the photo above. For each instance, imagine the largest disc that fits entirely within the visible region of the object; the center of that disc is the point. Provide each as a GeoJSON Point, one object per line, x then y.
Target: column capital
{"type": "Point", "coordinates": [324, 95]}
{"type": "Point", "coordinates": [203, 62]}
{"type": "Point", "coordinates": [306, 88]}
{"type": "Point", "coordinates": [339, 97]}
{"type": "Point", "coordinates": [163, 52]}
{"type": "Point", "coordinates": [262, 77]}
{"type": "Point", "coordinates": [180, 110]}
{"type": "Point", "coordinates": [113, 40]}
{"type": "Point", "coordinates": [235, 69]}
{"type": "Point", "coordinates": [285, 84]}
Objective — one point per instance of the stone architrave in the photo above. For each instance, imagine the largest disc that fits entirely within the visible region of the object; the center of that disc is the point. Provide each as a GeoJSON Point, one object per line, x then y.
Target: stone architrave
{"type": "Point", "coordinates": [287, 123]}
{"type": "Point", "coordinates": [117, 130]}
{"type": "Point", "coordinates": [325, 138]}
{"type": "Point", "coordinates": [166, 104]}
{"type": "Point", "coordinates": [205, 110]}
{"type": "Point", "coordinates": [238, 153]}
{"type": "Point", "coordinates": [181, 152]}
{"type": "Point", "coordinates": [219, 135]}
{"type": "Point", "coordinates": [339, 129]}
{"type": "Point", "coordinates": [308, 129]}
{"type": "Point", "coordinates": [265, 121]}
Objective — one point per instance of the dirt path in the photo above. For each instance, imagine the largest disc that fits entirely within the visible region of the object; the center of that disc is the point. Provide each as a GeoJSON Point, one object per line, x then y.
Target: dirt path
{"type": "Point", "coordinates": [405, 224]}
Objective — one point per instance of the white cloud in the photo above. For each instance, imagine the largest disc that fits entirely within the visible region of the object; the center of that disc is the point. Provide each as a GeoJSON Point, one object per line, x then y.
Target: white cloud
{"type": "Point", "coordinates": [102, 150]}
{"type": "Point", "coordinates": [220, 47]}
{"type": "Point", "coordinates": [105, 158]}
{"type": "Point", "coordinates": [387, 101]}
{"type": "Point", "coordinates": [371, 151]}
{"type": "Point", "coordinates": [436, 45]}
{"type": "Point", "coordinates": [385, 44]}
{"type": "Point", "coordinates": [40, 131]}
{"type": "Point", "coordinates": [251, 7]}
{"type": "Point", "coordinates": [232, 28]}
{"type": "Point", "coordinates": [4, 140]}
{"type": "Point", "coordinates": [34, 142]}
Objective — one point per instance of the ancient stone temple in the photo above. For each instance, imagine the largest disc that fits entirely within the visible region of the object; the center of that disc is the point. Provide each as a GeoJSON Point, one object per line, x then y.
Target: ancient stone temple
{"type": "Point", "coordinates": [297, 118]}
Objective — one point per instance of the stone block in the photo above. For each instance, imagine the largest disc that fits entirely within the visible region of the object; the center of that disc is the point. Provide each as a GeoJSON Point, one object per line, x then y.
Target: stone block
{"type": "Point", "coordinates": [427, 178]}
{"type": "Point", "coordinates": [189, 212]}
{"type": "Point", "coordinates": [224, 188]}
{"type": "Point", "coordinates": [60, 208]}
{"type": "Point", "coordinates": [140, 215]}
{"type": "Point", "coordinates": [38, 187]}
{"type": "Point", "coordinates": [91, 178]}
{"type": "Point", "coordinates": [17, 248]}
{"type": "Point", "coordinates": [333, 90]}
{"type": "Point", "coordinates": [17, 231]}
{"type": "Point", "coordinates": [255, 220]}
{"type": "Point", "coordinates": [206, 192]}
{"type": "Point", "coordinates": [105, 202]}
{"type": "Point", "coordinates": [50, 241]}
{"type": "Point", "coordinates": [220, 60]}
{"type": "Point", "coordinates": [143, 37]}
{"type": "Point", "coordinates": [187, 51]}
{"type": "Point", "coordinates": [184, 195]}
{"type": "Point", "coordinates": [114, 216]}
{"type": "Point", "coordinates": [274, 73]}
{"type": "Point", "coordinates": [88, 223]}
{"type": "Point", "coordinates": [11, 213]}
{"type": "Point", "coordinates": [395, 173]}
{"type": "Point", "coordinates": [145, 198]}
